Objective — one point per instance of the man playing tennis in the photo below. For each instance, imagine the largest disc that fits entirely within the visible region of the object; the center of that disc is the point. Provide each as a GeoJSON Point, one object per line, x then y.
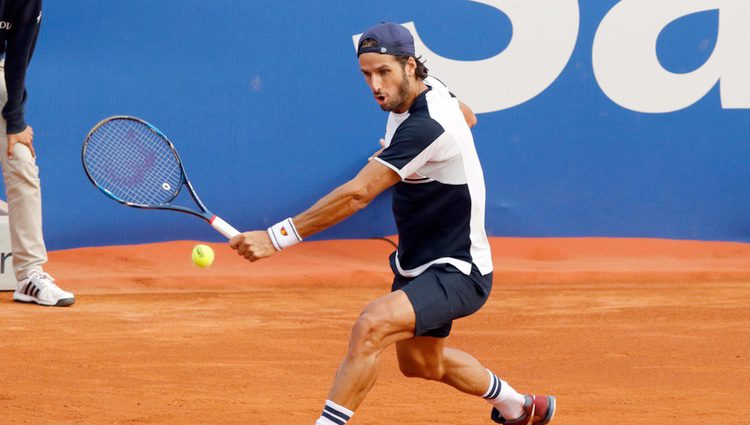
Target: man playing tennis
{"type": "Point", "coordinates": [443, 265]}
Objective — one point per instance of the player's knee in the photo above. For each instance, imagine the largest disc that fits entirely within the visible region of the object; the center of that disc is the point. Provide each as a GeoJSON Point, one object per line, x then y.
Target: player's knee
{"type": "Point", "coordinates": [432, 371]}
{"type": "Point", "coordinates": [368, 334]}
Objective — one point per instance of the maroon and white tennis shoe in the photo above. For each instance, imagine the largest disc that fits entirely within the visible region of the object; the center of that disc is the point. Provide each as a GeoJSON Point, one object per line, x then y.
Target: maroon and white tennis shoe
{"type": "Point", "coordinates": [537, 410]}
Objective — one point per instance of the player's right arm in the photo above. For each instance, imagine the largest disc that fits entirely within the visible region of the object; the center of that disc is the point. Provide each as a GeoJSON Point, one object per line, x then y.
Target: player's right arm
{"type": "Point", "coordinates": [346, 199]}
{"type": "Point", "coordinates": [336, 206]}
{"type": "Point", "coordinates": [415, 142]}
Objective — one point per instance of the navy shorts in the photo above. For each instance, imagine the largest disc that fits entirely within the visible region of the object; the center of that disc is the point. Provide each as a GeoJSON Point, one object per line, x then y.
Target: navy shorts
{"type": "Point", "coordinates": [443, 294]}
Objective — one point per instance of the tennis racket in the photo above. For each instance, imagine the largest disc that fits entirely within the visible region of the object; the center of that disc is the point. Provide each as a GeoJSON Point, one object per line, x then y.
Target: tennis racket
{"type": "Point", "coordinates": [134, 163]}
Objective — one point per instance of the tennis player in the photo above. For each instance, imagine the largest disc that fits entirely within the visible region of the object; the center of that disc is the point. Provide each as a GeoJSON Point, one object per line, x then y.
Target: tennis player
{"type": "Point", "coordinates": [443, 265]}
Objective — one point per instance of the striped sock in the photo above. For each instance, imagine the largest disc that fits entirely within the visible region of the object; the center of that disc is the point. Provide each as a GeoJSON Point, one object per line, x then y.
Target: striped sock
{"type": "Point", "coordinates": [504, 398]}
{"type": "Point", "coordinates": [333, 414]}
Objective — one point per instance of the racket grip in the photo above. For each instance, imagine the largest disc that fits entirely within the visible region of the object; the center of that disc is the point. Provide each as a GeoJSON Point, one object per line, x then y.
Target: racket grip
{"type": "Point", "coordinates": [223, 227]}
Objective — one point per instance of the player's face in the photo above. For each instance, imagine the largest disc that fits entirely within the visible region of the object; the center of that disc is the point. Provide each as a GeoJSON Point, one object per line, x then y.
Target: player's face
{"type": "Point", "coordinates": [387, 80]}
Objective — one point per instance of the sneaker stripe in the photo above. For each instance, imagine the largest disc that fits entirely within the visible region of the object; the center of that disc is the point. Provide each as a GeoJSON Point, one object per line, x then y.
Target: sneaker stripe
{"type": "Point", "coordinates": [36, 292]}
{"type": "Point", "coordinates": [29, 288]}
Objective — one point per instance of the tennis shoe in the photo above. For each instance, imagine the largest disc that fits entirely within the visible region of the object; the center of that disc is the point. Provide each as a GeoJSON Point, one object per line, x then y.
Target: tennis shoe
{"type": "Point", "coordinates": [537, 410]}
{"type": "Point", "coordinates": [40, 288]}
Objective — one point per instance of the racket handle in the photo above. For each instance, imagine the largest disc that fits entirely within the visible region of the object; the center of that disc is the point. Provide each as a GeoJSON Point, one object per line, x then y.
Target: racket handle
{"type": "Point", "coordinates": [223, 227]}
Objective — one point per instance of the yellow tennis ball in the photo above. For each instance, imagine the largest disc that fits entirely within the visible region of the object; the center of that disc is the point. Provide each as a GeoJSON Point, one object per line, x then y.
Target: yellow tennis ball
{"type": "Point", "coordinates": [203, 255]}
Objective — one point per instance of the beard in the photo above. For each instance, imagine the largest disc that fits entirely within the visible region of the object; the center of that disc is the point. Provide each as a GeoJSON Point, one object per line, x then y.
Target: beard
{"type": "Point", "coordinates": [398, 101]}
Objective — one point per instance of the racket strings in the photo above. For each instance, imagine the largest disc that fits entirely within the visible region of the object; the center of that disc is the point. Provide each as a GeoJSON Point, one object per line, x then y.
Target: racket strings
{"type": "Point", "coordinates": [133, 163]}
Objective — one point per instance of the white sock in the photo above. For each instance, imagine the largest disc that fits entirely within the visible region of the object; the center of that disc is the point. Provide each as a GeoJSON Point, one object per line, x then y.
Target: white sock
{"type": "Point", "coordinates": [333, 414]}
{"type": "Point", "coordinates": [504, 398]}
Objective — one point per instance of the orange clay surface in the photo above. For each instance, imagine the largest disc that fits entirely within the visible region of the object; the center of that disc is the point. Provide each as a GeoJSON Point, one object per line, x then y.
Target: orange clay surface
{"type": "Point", "coordinates": [622, 331]}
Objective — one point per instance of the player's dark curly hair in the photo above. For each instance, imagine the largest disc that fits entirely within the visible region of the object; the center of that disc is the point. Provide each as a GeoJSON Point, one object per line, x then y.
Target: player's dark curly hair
{"type": "Point", "coordinates": [421, 71]}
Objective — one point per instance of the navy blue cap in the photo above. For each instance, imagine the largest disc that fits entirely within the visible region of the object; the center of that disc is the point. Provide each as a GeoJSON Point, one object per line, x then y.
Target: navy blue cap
{"type": "Point", "coordinates": [390, 38]}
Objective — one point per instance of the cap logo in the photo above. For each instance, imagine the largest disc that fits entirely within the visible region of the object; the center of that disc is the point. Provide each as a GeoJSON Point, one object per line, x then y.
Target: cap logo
{"type": "Point", "coordinates": [383, 50]}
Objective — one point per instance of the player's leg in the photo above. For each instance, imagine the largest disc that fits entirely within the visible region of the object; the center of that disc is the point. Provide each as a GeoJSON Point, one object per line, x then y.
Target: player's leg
{"type": "Point", "coordinates": [428, 358]}
{"type": "Point", "coordinates": [439, 296]}
{"type": "Point", "coordinates": [382, 323]}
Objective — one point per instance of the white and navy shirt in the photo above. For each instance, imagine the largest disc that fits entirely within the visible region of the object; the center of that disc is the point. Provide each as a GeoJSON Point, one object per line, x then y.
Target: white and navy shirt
{"type": "Point", "coordinates": [439, 202]}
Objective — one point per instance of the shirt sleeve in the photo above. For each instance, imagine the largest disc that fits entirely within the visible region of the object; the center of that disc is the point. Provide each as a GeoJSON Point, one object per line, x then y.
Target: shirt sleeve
{"type": "Point", "coordinates": [412, 146]}
{"type": "Point", "coordinates": [19, 49]}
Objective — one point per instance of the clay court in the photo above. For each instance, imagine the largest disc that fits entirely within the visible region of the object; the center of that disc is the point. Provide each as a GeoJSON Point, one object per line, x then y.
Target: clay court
{"type": "Point", "coordinates": [635, 331]}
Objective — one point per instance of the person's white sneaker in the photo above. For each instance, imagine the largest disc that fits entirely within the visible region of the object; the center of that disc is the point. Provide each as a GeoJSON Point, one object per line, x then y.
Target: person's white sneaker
{"type": "Point", "coordinates": [40, 288]}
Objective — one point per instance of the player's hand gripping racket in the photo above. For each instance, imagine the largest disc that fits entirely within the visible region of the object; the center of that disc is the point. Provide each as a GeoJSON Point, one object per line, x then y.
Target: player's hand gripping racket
{"type": "Point", "coordinates": [134, 163]}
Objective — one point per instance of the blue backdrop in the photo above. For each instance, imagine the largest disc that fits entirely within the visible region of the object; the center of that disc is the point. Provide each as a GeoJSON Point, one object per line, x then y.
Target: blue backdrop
{"type": "Point", "coordinates": [266, 105]}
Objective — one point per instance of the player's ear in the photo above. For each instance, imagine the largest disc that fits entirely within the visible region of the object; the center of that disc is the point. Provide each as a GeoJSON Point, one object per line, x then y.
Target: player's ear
{"type": "Point", "coordinates": [411, 67]}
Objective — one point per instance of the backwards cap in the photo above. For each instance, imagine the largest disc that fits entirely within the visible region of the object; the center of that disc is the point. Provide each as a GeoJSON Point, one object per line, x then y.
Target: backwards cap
{"type": "Point", "coordinates": [390, 39]}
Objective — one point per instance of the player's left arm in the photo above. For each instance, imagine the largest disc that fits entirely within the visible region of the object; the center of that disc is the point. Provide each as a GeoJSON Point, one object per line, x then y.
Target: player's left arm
{"type": "Point", "coordinates": [469, 116]}
{"type": "Point", "coordinates": [333, 208]}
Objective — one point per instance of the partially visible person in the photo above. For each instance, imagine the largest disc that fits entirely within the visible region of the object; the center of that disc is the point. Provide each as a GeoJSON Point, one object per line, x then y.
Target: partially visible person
{"type": "Point", "coordinates": [19, 28]}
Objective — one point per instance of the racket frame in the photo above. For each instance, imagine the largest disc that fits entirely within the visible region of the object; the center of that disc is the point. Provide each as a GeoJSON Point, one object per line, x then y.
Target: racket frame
{"type": "Point", "coordinates": [220, 225]}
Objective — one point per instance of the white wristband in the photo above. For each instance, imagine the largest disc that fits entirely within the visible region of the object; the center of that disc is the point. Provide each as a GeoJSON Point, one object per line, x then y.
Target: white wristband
{"type": "Point", "coordinates": [283, 234]}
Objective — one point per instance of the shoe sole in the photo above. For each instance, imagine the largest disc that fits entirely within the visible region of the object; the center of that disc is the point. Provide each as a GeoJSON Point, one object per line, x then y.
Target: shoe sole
{"type": "Point", "coordinates": [552, 409]}
{"type": "Point", "coordinates": [64, 302]}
